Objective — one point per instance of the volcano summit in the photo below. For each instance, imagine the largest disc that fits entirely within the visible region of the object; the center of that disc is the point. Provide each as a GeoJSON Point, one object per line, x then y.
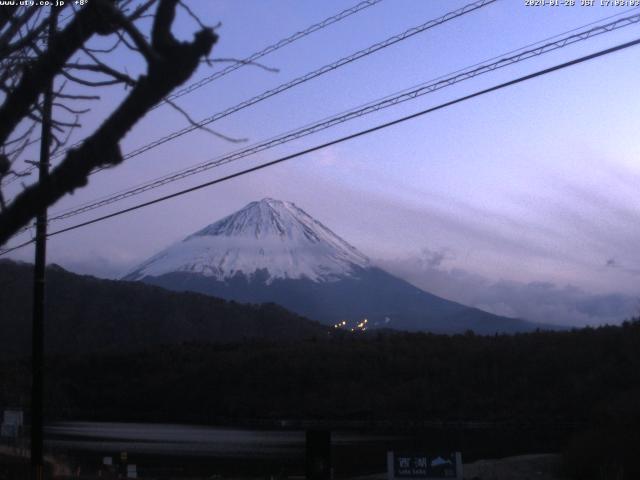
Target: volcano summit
{"type": "Point", "coordinates": [269, 236]}
{"type": "Point", "coordinates": [273, 251]}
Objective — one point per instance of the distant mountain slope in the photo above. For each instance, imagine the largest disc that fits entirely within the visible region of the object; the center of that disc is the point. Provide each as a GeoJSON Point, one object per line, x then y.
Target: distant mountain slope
{"type": "Point", "coordinates": [269, 235]}
{"type": "Point", "coordinates": [273, 251]}
{"type": "Point", "coordinates": [86, 314]}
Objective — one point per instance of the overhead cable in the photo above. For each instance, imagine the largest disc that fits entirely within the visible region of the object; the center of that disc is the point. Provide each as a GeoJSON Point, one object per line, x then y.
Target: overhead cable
{"type": "Point", "coordinates": [389, 101]}
{"type": "Point", "coordinates": [352, 136]}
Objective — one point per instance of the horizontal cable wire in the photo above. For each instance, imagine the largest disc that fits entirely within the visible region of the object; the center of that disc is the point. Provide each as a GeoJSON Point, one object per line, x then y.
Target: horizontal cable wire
{"type": "Point", "coordinates": [272, 48]}
{"type": "Point", "coordinates": [387, 102]}
{"type": "Point", "coordinates": [311, 75]}
{"type": "Point", "coordinates": [297, 81]}
{"type": "Point", "coordinates": [369, 103]}
{"type": "Point", "coordinates": [360, 133]}
{"type": "Point", "coordinates": [305, 78]}
{"type": "Point", "coordinates": [255, 56]}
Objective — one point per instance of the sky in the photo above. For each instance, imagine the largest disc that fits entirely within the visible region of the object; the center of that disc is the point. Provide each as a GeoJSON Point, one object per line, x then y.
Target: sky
{"type": "Point", "coordinates": [523, 202]}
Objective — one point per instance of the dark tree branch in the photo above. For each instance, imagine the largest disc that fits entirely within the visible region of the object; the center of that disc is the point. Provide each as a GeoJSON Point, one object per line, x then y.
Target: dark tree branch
{"type": "Point", "coordinates": [71, 110]}
{"type": "Point", "coordinates": [161, 39]}
{"type": "Point", "coordinates": [62, 143]}
{"type": "Point", "coordinates": [110, 49]}
{"type": "Point", "coordinates": [191, 14]}
{"type": "Point", "coordinates": [41, 72]}
{"type": "Point", "coordinates": [21, 137]}
{"type": "Point", "coordinates": [101, 67]}
{"type": "Point", "coordinates": [92, 83]}
{"type": "Point", "coordinates": [171, 65]}
{"type": "Point", "coordinates": [6, 15]}
{"type": "Point", "coordinates": [203, 127]}
{"type": "Point", "coordinates": [69, 96]}
{"type": "Point", "coordinates": [25, 142]}
{"type": "Point", "coordinates": [138, 39]}
{"type": "Point", "coordinates": [32, 35]}
{"type": "Point", "coordinates": [142, 9]}
{"type": "Point", "coordinates": [16, 25]}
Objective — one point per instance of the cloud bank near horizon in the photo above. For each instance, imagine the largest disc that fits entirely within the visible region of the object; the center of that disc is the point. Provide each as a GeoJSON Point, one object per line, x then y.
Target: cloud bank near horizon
{"type": "Point", "coordinates": [543, 302]}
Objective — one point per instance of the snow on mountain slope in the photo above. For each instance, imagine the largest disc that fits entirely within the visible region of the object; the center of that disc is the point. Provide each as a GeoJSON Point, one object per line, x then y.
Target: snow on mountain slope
{"type": "Point", "coordinates": [270, 235]}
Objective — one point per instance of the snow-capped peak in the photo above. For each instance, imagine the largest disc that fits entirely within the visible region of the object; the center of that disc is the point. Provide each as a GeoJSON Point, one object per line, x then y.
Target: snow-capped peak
{"type": "Point", "coordinates": [271, 235]}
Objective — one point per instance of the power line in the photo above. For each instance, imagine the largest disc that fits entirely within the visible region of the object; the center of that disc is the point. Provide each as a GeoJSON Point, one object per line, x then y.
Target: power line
{"type": "Point", "coordinates": [361, 133]}
{"type": "Point", "coordinates": [133, 189]}
{"type": "Point", "coordinates": [311, 75]}
{"type": "Point", "coordinates": [255, 56]}
{"type": "Point", "coordinates": [328, 21]}
{"type": "Point", "coordinates": [305, 78]}
{"type": "Point", "coordinates": [386, 102]}
{"type": "Point", "coordinates": [271, 48]}
{"type": "Point", "coordinates": [5, 251]}
{"type": "Point", "coordinates": [325, 69]}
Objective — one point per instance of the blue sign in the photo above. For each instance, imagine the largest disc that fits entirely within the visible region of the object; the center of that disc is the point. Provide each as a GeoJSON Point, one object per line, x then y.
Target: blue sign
{"type": "Point", "coordinates": [424, 466]}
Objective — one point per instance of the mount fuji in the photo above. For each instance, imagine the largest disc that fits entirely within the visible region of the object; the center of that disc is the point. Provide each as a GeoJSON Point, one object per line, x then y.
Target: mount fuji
{"type": "Point", "coordinates": [273, 251]}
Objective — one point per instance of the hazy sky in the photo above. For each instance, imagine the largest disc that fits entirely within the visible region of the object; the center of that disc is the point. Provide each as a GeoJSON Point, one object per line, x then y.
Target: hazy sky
{"type": "Point", "coordinates": [524, 201]}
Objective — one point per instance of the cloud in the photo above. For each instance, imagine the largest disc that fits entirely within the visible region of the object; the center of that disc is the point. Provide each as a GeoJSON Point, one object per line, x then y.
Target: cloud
{"type": "Point", "coordinates": [543, 302]}
{"type": "Point", "coordinates": [111, 265]}
{"type": "Point", "coordinates": [612, 263]}
{"type": "Point", "coordinates": [434, 258]}
{"type": "Point", "coordinates": [99, 267]}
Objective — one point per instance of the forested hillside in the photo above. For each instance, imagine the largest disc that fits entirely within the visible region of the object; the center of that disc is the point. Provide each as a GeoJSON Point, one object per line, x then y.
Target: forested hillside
{"type": "Point", "coordinates": [87, 314]}
{"type": "Point", "coordinates": [580, 388]}
{"type": "Point", "coordinates": [537, 377]}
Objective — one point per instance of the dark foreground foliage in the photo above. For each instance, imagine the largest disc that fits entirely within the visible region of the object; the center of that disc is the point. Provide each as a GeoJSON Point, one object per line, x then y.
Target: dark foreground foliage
{"type": "Point", "coordinates": [588, 377]}
{"type": "Point", "coordinates": [86, 314]}
{"type": "Point", "coordinates": [547, 377]}
{"type": "Point", "coordinates": [605, 452]}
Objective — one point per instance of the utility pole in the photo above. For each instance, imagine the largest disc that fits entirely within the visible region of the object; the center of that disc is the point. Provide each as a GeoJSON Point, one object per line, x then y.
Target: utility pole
{"type": "Point", "coordinates": [37, 345]}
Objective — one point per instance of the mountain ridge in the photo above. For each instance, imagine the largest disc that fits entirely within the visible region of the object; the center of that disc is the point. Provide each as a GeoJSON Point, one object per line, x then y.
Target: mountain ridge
{"type": "Point", "coordinates": [89, 314]}
{"type": "Point", "coordinates": [273, 251]}
{"type": "Point", "coordinates": [269, 234]}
